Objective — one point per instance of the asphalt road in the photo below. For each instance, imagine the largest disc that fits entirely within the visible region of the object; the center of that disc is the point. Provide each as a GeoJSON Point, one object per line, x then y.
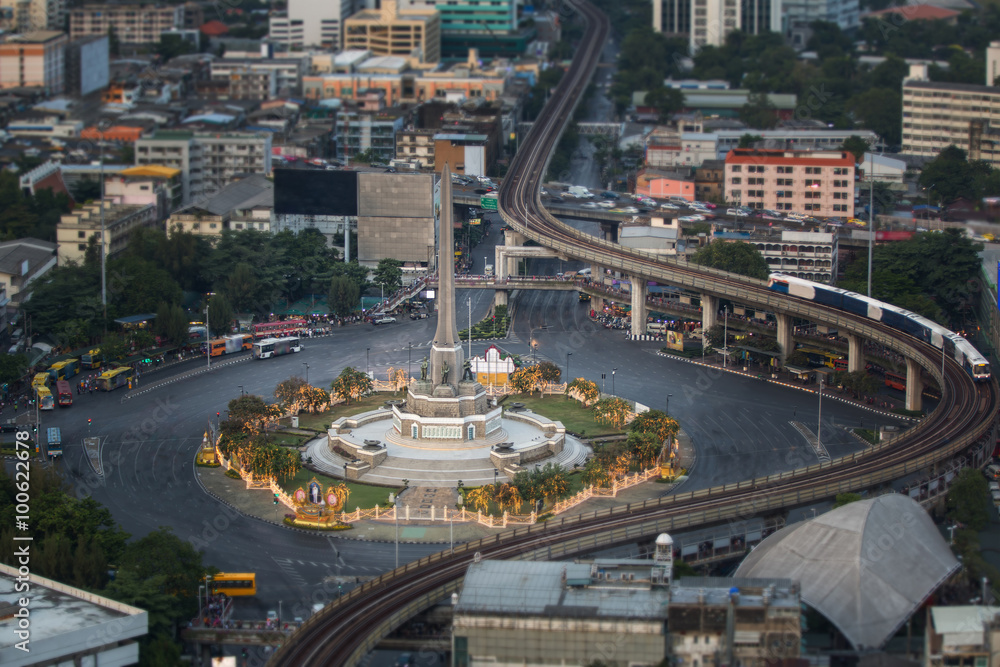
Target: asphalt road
{"type": "Point", "coordinates": [740, 428]}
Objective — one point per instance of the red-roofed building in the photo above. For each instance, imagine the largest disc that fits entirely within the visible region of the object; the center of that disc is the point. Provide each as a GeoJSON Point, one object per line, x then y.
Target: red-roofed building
{"type": "Point", "coordinates": [46, 176]}
{"type": "Point", "coordinates": [214, 29]}
{"type": "Point", "coordinates": [916, 13]}
{"type": "Point", "coordinates": [817, 183]}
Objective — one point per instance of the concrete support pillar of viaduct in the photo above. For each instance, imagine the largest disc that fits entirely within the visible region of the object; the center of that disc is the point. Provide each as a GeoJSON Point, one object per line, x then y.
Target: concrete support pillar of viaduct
{"type": "Point", "coordinates": [596, 273]}
{"type": "Point", "coordinates": [855, 353]}
{"type": "Point", "coordinates": [785, 339]}
{"type": "Point", "coordinates": [638, 305]}
{"type": "Point", "coordinates": [511, 239]}
{"type": "Point", "coordinates": [597, 304]}
{"type": "Point", "coordinates": [709, 313]}
{"type": "Point", "coordinates": [500, 297]}
{"type": "Point", "coordinates": [914, 386]}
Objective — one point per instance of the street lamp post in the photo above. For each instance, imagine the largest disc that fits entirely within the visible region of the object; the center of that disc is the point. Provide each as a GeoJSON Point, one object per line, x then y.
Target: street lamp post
{"type": "Point", "coordinates": [368, 361]}
{"type": "Point", "coordinates": [395, 514]}
{"type": "Point", "coordinates": [409, 358]}
{"type": "Point", "coordinates": [496, 473]}
{"type": "Point", "coordinates": [568, 355]}
{"type": "Point", "coordinates": [201, 587]}
{"type": "Point", "coordinates": [307, 371]}
{"type": "Point", "coordinates": [613, 371]}
{"type": "Point", "coordinates": [208, 339]}
{"type": "Point", "coordinates": [725, 336]}
{"type": "Point", "coordinates": [666, 408]}
{"type": "Point", "coordinates": [241, 390]}
{"type": "Point", "coordinates": [819, 424]}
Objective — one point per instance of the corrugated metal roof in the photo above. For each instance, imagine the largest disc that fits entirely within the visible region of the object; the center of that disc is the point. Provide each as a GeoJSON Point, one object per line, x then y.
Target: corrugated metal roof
{"type": "Point", "coordinates": [250, 192]}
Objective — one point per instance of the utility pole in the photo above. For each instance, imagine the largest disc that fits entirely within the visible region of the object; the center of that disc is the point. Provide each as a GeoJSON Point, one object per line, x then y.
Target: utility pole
{"type": "Point", "coordinates": [208, 339]}
{"type": "Point", "coordinates": [819, 422]}
{"type": "Point", "coordinates": [469, 300]}
{"type": "Point", "coordinates": [104, 281]}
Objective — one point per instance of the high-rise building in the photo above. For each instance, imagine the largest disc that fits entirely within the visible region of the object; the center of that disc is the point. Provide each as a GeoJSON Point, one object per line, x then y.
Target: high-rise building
{"type": "Point", "coordinates": [132, 24]}
{"type": "Point", "coordinates": [796, 15]}
{"type": "Point", "coordinates": [413, 33]}
{"type": "Point", "coordinates": [937, 115]}
{"type": "Point", "coordinates": [708, 22]}
{"type": "Point", "coordinates": [34, 60]}
{"type": "Point", "coordinates": [309, 23]}
{"type": "Point", "coordinates": [31, 15]}
{"type": "Point", "coordinates": [992, 63]}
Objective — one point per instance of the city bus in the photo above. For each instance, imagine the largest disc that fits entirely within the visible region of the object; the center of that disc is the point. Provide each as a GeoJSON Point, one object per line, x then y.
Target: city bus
{"type": "Point", "coordinates": [91, 359]}
{"type": "Point", "coordinates": [279, 329]}
{"type": "Point", "coordinates": [275, 347]}
{"type": "Point", "coordinates": [40, 380]}
{"type": "Point", "coordinates": [64, 393]}
{"type": "Point", "coordinates": [234, 584]}
{"type": "Point", "coordinates": [65, 369]}
{"type": "Point", "coordinates": [230, 344]}
{"type": "Point", "coordinates": [54, 441]}
{"type": "Point", "coordinates": [116, 377]}
{"type": "Point", "coordinates": [819, 357]}
{"type": "Point", "coordinates": [44, 397]}
{"type": "Point", "coordinates": [895, 380]}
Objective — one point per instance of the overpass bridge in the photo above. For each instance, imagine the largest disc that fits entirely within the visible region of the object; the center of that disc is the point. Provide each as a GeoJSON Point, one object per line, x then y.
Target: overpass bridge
{"type": "Point", "coordinates": [344, 632]}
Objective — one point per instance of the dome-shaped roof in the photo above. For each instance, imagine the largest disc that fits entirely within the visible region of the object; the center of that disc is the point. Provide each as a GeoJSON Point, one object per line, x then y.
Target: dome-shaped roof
{"type": "Point", "coordinates": [664, 540]}
{"type": "Point", "coordinates": [865, 566]}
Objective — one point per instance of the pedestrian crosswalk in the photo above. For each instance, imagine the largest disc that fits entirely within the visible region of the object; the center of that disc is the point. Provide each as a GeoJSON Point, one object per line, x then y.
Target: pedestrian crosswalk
{"type": "Point", "coordinates": [291, 568]}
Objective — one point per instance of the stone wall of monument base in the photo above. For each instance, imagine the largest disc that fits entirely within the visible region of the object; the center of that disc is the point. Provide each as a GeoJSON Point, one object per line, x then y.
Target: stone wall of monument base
{"type": "Point", "coordinates": [465, 405]}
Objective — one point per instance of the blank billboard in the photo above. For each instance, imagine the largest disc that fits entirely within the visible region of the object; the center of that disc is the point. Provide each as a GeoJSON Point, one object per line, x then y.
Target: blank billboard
{"type": "Point", "coordinates": [315, 192]}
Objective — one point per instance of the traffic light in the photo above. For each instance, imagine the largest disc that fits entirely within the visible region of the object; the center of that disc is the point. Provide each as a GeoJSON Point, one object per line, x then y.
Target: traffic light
{"type": "Point", "coordinates": [89, 420]}
{"type": "Point", "coordinates": [276, 498]}
{"type": "Point", "coordinates": [216, 415]}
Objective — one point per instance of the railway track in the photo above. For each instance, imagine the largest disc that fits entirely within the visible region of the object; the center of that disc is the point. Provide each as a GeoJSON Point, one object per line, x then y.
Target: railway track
{"type": "Point", "coordinates": [345, 632]}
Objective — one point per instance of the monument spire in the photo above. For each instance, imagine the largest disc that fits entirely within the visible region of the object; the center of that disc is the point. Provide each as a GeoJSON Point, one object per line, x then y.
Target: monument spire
{"type": "Point", "coordinates": [447, 327]}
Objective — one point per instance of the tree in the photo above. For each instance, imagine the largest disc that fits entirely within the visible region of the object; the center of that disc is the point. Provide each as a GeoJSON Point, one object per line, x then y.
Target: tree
{"type": "Point", "coordinates": [113, 347]}
{"type": "Point", "coordinates": [137, 285]}
{"type": "Point", "coordinates": [241, 288]}
{"type": "Point", "coordinates": [290, 394]}
{"type": "Point", "coordinates": [966, 499]}
{"type": "Point", "coordinates": [85, 190]}
{"type": "Point", "coordinates": [220, 314]}
{"type": "Point", "coordinates": [344, 296]}
{"type": "Point", "coordinates": [172, 324]}
{"type": "Point", "coordinates": [644, 448]}
{"type": "Point", "coordinates": [749, 140]}
{"type": "Point", "coordinates": [389, 275]}
{"type": "Point", "coordinates": [249, 415]}
{"type": "Point", "coordinates": [666, 101]}
{"type": "Point", "coordinates": [857, 146]}
{"type": "Point", "coordinates": [716, 335]}
{"type": "Point", "coordinates": [656, 423]}
{"type": "Point", "coordinates": [171, 46]}
{"type": "Point", "coordinates": [12, 367]}
{"type": "Point", "coordinates": [845, 499]}
{"type": "Point", "coordinates": [759, 113]}
{"type": "Point", "coordinates": [735, 257]}
{"type": "Point", "coordinates": [352, 383]}
{"type": "Point", "coordinates": [612, 412]}
{"type": "Point", "coordinates": [880, 110]}
{"type": "Point", "coordinates": [549, 372]}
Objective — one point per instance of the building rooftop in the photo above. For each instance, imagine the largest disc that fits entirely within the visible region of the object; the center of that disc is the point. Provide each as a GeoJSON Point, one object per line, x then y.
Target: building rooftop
{"type": "Point", "coordinates": [866, 566]}
{"type": "Point", "coordinates": [917, 12]}
{"type": "Point", "coordinates": [959, 87]}
{"type": "Point", "coordinates": [351, 57]}
{"type": "Point", "coordinates": [250, 192]}
{"type": "Point", "coordinates": [156, 171]}
{"type": "Point", "coordinates": [964, 623]}
{"type": "Point", "coordinates": [63, 617]}
{"type": "Point", "coordinates": [13, 255]}
{"type": "Point", "coordinates": [39, 36]}
{"type": "Point", "coordinates": [824, 158]}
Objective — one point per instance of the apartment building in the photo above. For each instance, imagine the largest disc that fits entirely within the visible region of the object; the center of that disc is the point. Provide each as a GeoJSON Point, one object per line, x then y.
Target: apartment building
{"type": "Point", "coordinates": [139, 186]}
{"type": "Point", "coordinates": [818, 183]}
{"type": "Point", "coordinates": [807, 255]}
{"type": "Point", "coordinates": [361, 130]}
{"type": "Point", "coordinates": [288, 71]}
{"type": "Point", "coordinates": [413, 33]}
{"type": "Point", "coordinates": [708, 22]}
{"type": "Point", "coordinates": [416, 147]}
{"type": "Point", "coordinates": [937, 115]}
{"type": "Point", "coordinates": [35, 60]}
{"type": "Point", "coordinates": [76, 229]}
{"type": "Point", "coordinates": [132, 24]}
{"type": "Point", "coordinates": [243, 205]}
{"type": "Point", "coordinates": [88, 65]}
{"type": "Point", "coordinates": [22, 262]}
{"type": "Point", "coordinates": [309, 23]}
{"type": "Point", "coordinates": [23, 16]}
{"type": "Point", "coordinates": [207, 161]}
{"type": "Point", "coordinates": [246, 83]}
{"type": "Point", "coordinates": [406, 87]}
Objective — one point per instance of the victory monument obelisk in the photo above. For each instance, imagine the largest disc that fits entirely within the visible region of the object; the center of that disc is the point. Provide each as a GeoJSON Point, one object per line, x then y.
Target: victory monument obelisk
{"type": "Point", "coordinates": [446, 403]}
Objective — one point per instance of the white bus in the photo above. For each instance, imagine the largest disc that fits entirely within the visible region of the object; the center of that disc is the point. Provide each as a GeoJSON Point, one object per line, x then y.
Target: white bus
{"type": "Point", "coordinates": [274, 347]}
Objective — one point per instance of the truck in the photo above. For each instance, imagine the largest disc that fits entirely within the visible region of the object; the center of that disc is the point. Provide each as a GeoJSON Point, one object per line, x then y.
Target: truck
{"type": "Point", "coordinates": [489, 269]}
{"type": "Point", "coordinates": [580, 192]}
{"type": "Point", "coordinates": [275, 347]}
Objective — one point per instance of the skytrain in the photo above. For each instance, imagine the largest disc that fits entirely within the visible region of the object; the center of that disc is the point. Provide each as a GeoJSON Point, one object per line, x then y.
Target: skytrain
{"type": "Point", "coordinates": [974, 363]}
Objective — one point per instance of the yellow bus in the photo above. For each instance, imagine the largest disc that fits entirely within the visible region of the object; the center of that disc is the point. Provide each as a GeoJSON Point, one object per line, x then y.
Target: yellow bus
{"type": "Point", "coordinates": [40, 380]}
{"type": "Point", "coordinates": [44, 398]}
{"type": "Point", "coordinates": [234, 584]}
{"type": "Point", "coordinates": [116, 377]}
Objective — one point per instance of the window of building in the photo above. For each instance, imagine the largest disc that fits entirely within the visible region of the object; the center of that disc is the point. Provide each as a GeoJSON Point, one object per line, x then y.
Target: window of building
{"type": "Point", "coordinates": [840, 207]}
{"type": "Point", "coordinates": [735, 194]}
{"type": "Point", "coordinates": [784, 170]}
{"type": "Point", "coordinates": [840, 171]}
{"type": "Point", "coordinates": [81, 235]}
{"type": "Point", "coordinates": [82, 247]}
{"type": "Point", "coordinates": [736, 168]}
{"type": "Point", "coordinates": [735, 180]}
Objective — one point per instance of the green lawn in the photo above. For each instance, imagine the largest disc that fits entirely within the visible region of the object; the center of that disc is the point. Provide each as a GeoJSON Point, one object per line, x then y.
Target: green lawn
{"type": "Point", "coordinates": [364, 496]}
{"type": "Point", "coordinates": [321, 421]}
{"type": "Point", "coordinates": [288, 439]}
{"type": "Point", "coordinates": [571, 413]}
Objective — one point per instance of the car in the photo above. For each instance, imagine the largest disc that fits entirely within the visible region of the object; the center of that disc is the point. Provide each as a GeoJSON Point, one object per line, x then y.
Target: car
{"type": "Point", "coordinates": [608, 194]}
{"type": "Point", "coordinates": [588, 204]}
{"type": "Point", "coordinates": [557, 199]}
{"type": "Point", "coordinates": [605, 204]}
{"type": "Point", "coordinates": [617, 210]}
{"type": "Point", "coordinates": [735, 212]}
{"type": "Point", "coordinates": [272, 616]}
{"type": "Point", "coordinates": [418, 316]}
{"type": "Point", "coordinates": [669, 207]}
{"type": "Point", "coordinates": [692, 218]}
{"type": "Point", "coordinates": [858, 222]}
{"type": "Point", "coordinates": [544, 192]}
{"type": "Point", "coordinates": [704, 204]}
{"type": "Point", "coordinates": [387, 319]}
{"type": "Point", "coordinates": [630, 209]}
